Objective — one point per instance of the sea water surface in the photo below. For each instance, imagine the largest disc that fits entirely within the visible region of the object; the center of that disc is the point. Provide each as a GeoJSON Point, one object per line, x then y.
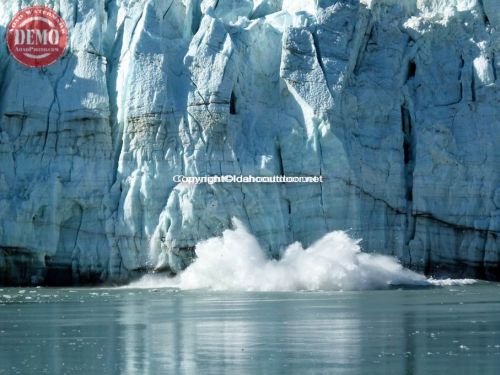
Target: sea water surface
{"type": "Point", "coordinates": [433, 330]}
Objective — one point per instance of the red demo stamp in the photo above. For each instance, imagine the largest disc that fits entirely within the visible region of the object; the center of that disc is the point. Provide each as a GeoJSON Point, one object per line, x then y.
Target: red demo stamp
{"type": "Point", "coordinates": [37, 36]}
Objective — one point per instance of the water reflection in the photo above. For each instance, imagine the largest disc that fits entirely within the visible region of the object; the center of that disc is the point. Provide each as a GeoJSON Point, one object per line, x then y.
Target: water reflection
{"type": "Point", "coordinates": [59, 331]}
{"type": "Point", "coordinates": [189, 333]}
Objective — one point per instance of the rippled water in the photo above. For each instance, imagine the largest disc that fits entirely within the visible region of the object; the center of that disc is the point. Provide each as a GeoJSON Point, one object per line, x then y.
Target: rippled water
{"type": "Point", "coordinates": [163, 331]}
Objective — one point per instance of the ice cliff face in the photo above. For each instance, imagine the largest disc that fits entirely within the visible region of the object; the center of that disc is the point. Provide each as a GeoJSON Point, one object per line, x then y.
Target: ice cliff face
{"type": "Point", "coordinates": [395, 103]}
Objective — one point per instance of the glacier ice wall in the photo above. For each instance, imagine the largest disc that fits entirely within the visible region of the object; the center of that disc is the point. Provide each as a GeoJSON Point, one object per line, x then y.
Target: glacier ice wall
{"type": "Point", "coordinates": [395, 103]}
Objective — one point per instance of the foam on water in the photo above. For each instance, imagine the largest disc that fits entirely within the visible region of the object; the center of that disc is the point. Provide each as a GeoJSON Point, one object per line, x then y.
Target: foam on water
{"type": "Point", "coordinates": [451, 282]}
{"type": "Point", "coordinates": [236, 261]}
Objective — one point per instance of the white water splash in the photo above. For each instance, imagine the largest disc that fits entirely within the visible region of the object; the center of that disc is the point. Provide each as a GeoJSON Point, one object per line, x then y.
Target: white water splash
{"type": "Point", "coordinates": [451, 282]}
{"type": "Point", "coordinates": [236, 261]}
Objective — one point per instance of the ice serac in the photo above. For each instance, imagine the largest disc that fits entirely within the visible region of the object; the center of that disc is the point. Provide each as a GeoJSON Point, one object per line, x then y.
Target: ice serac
{"type": "Point", "coordinates": [395, 103]}
{"type": "Point", "coordinates": [55, 157]}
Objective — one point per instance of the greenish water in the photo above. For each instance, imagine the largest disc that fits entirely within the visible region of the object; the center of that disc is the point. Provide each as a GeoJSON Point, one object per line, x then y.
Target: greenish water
{"type": "Point", "coordinates": [448, 330]}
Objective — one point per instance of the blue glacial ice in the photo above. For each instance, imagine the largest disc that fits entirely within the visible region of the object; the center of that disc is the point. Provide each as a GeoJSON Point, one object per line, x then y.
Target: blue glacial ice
{"type": "Point", "coordinates": [394, 103]}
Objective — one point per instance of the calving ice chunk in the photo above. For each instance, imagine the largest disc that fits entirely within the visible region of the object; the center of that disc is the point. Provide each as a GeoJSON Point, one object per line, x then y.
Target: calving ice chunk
{"type": "Point", "coordinates": [393, 103]}
{"type": "Point", "coordinates": [236, 261]}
